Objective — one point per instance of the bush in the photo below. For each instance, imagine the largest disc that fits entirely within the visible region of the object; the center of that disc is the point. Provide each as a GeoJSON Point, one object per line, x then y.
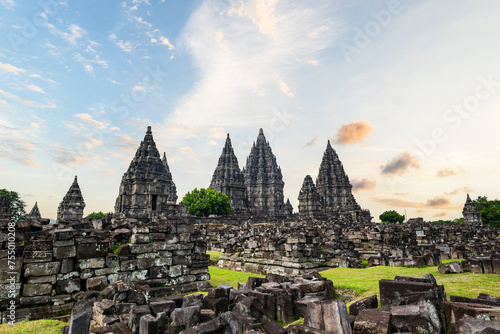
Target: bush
{"type": "Point", "coordinates": [205, 202]}
{"type": "Point", "coordinates": [391, 217]}
{"type": "Point", "coordinates": [98, 215]}
{"type": "Point", "coordinates": [17, 205]}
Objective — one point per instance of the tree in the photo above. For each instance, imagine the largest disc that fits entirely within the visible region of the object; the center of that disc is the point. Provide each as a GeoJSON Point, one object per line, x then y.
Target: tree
{"type": "Point", "coordinates": [17, 206]}
{"type": "Point", "coordinates": [391, 217]}
{"type": "Point", "coordinates": [490, 210]}
{"type": "Point", "coordinates": [205, 202]}
{"type": "Point", "coordinates": [98, 215]}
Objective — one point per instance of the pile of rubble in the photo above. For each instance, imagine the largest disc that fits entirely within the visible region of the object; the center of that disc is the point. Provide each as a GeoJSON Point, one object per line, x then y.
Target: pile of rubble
{"type": "Point", "coordinates": [274, 303]}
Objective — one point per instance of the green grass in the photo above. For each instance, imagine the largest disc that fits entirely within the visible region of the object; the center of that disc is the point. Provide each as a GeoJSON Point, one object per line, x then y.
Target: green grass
{"type": "Point", "coordinates": [43, 326]}
{"type": "Point", "coordinates": [364, 282]}
{"type": "Point", "coordinates": [223, 276]}
{"type": "Point", "coordinates": [214, 256]}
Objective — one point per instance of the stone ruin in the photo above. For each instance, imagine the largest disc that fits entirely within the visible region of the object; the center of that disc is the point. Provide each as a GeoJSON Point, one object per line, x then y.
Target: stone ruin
{"type": "Point", "coordinates": [407, 305]}
{"type": "Point", "coordinates": [72, 205]}
{"type": "Point", "coordinates": [4, 208]}
{"type": "Point", "coordinates": [332, 196]}
{"type": "Point", "coordinates": [229, 180]}
{"type": "Point", "coordinates": [147, 189]}
{"type": "Point", "coordinates": [35, 212]}
{"type": "Point", "coordinates": [471, 212]}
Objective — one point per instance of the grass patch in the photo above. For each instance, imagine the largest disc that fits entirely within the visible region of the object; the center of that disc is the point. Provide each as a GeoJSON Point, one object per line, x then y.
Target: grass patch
{"type": "Point", "coordinates": [214, 257]}
{"type": "Point", "coordinates": [222, 276]}
{"type": "Point", "coordinates": [34, 327]}
{"type": "Point", "coordinates": [364, 282]}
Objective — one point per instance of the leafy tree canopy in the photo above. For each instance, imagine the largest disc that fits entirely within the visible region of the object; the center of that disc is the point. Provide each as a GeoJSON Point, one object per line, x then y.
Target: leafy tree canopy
{"type": "Point", "coordinates": [17, 205]}
{"type": "Point", "coordinates": [98, 215]}
{"type": "Point", "coordinates": [391, 217]}
{"type": "Point", "coordinates": [490, 210]}
{"type": "Point", "coordinates": [205, 202]}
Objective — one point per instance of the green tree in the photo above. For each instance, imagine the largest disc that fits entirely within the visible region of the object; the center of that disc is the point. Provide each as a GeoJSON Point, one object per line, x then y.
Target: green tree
{"type": "Point", "coordinates": [391, 217]}
{"type": "Point", "coordinates": [205, 202]}
{"type": "Point", "coordinates": [98, 215]}
{"type": "Point", "coordinates": [490, 210]}
{"type": "Point", "coordinates": [17, 205]}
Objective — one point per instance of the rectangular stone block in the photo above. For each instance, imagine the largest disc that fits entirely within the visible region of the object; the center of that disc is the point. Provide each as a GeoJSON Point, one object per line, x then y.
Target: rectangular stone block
{"type": "Point", "coordinates": [90, 250]}
{"type": "Point", "coordinates": [37, 256]}
{"type": "Point", "coordinates": [64, 252]}
{"type": "Point", "coordinates": [41, 269]}
{"type": "Point", "coordinates": [68, 286]}
{"type": "Point", "coordinates": [139, 238]}
{"type": "Point", "coordinates": [9, 291]}
{"type": "Point", "coordinates": [6, 270]}
{"type": "Point", "coordinates": [42, 279]}
{"type": "Point", "coordinates": [95, 263]}
{"type": "Point", "coordinates": [32, 290]}
{"type": "Point", "coordinates": [141, 248]}
{"type": "Point", "coordinates": [38, 245]}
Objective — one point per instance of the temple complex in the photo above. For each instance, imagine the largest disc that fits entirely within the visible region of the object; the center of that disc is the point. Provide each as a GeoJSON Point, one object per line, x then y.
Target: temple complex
{"type": "Point", "coordinates": [35, 212]}
{"type": "Point", "coordinates": [264, 181]}
{"type": "Point", "coordinates": [71, 207]}
{"type": "Point", "coordinates": [471, 212]}
{"type": "Point", "coordinates": [228, 179]}
{"type": "Point", "coordinates": [336, 200]}
{"type": "Point", "coordinates": [146, 189]}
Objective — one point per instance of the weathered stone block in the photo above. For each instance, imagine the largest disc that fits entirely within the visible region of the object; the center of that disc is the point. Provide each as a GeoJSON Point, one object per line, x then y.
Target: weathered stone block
{"type": "Point", "coordinates": [81, 315]}
{"type": "Point", "coordinates": [42, 279]}
{"type": "Point", "coordinates": [93, 250]}
{"type": "Point", "coordinates": [365, 303]}
{"type": "Point", "coordinates": [31, 290]}
{"type": "Point", "coordinates": [41, 269]}
{"type": "Point", "coordinates": [91, 263]}
{"type": "Point", "coordinates": [68, 286]}
{"type": "Point", "coordinates": [64, 252]}
{"type": "Point", "coordinates": [372, 321]}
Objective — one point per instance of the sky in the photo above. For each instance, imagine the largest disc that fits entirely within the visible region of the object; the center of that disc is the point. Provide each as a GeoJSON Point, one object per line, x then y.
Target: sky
{"type": "Point", "coordinates": [408, 93]}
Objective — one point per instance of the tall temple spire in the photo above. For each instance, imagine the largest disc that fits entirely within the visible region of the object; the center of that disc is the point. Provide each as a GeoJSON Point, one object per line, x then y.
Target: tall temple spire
{"type": "Point", "coordinates": [35, 212]}
{"type": "Point", "coordinates": [471, 212]}
{"type": "Point", "coordinates": [309, 200]}
{"type": "Point", "coordinates": [71, 207]}
{"type": "Point", "coordinates": [264, 181]}
{"type": "Point", "coordinates": [228, 179]}
{"type": "Point", "coordinates": [335, 190]}
{"type": "Point", "coordinates": [146, 189]}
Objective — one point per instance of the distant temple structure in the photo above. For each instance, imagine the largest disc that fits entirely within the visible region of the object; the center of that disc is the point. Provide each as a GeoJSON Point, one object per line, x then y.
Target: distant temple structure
{"type": "Point", "coordinates": [5, 212]}
{"type": "Point", "coordinates": [309, 200]}
{"type": "Point", "coordinates": [35, 212]}
{"type": "Point", "coordinates": [147, 189]}
{"type": "Point", "coordinates": [229, 180]}
{"type": "Point", "coordinates": [71, 207]}
{"type": "Point", "coordinates": [471, 212]}
{"type": "Point", "coordinates": [336, 200]}
{"type": "Point", "coordinates": [264, 182]}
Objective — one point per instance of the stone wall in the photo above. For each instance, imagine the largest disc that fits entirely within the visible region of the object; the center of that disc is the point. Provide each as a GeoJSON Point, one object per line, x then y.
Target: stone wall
{"type": "Point", "coordinates": [272, 247]}
{"type": "Point", "coordinates": [53, 266]}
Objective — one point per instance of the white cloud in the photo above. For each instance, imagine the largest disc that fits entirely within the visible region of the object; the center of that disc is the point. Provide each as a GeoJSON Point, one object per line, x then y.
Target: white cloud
{"type": "Point", "coordinates": [8, 68]}
{"type": "Point", "coordinates": [35, 88]}
{"type": "Point", "coordinates": [89, 119]}
{"type": "Point", "coordinates": [71, 36]}
{"type": "Point", "coordinates": [261, 12]}
{"type": "Point", "coordinates": [125, 46]}
{"type": "Point", "coordinates": [29, 103]}
{"type": "Point", "coordinates": [283, 86]}
{"type": "Point", "coordinates": [163, 41]}
{"type": "Point", "coordinates": [8, 4]}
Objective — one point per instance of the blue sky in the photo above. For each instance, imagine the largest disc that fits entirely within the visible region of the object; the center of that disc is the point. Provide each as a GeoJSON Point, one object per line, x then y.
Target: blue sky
{"type": "Point", "coordinates": [408, 92]}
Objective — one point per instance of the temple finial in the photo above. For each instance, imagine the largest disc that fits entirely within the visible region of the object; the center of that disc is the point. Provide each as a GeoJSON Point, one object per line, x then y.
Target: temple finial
{"type": "Point", "coordinates": [149, 130]}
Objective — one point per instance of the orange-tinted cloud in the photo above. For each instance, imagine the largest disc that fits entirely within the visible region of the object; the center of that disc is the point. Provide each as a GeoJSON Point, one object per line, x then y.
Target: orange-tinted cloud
{"type": "Point", "coordinates": [441, 214]}
{"type": "Point", "coordinates": [363, 184]}
{"type": "Point", "coordinates": [465, 190]}
{"type": "Point", "coordinates": [314, 140]}
{"type": "Point", "coordinates": [354, 132]}
{"type": "Point", "coordinates": [443, 172]}
{"type": "Point", "coordinates": [438, 201]}
{"type": "Point", "coordinates": [400, 164]}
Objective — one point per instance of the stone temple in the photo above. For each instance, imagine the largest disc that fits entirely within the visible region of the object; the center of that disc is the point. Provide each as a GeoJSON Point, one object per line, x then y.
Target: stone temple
{"type": "Point", "coordinates": [471, 212]}
{"type": "Point", "coordinates": [35, 212]}
{"type": "Point", "coordinates": [229, 180]}
{"type": "Point", "coordinates": [71, 207]}
{"type": "Point", "coordinates": [264, 181]}
{"type": "Point", "coordinates": [5, 212]}
{"type": "Point", "coordinates": [336, 200]}
{"type": "Point", "coordinates": [146, 189]}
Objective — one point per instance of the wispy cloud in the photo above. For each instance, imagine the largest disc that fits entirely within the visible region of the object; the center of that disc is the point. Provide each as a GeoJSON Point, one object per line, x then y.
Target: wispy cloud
{"type": "Point", "coordinates": [363, 184]}
{"type": "Point", "coordinates": [35, 88]}
{"type": "Point", "coordinates": [438, 201]}
{"type": "Point", "coordinates": [464, 190]}
{"type": "Point", "coordinates": [72, 35]}
{"type": "Point", "coordinates": [29, 103]}
{"type": "Point", "coordinates": [125, 46]}
{"type": "Point", "coordinates": [312, 141]}
{"type": "Point", "coordinates": [8, 4]}
{"type": "Point", "coordinates": [444, 172]}
{"type": "Point", "coordinates": [354, 132]}
{"type": "Point", "coordinates": [400, 164]}
{"type": "Point", "coordinates": [397, 202]}
{"type": "Point", "coordinates": [8, 68]}
{"type": "Point", "coordinates": [15, 147]}
{"type": "Point", "coordinates": [89, 120]}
